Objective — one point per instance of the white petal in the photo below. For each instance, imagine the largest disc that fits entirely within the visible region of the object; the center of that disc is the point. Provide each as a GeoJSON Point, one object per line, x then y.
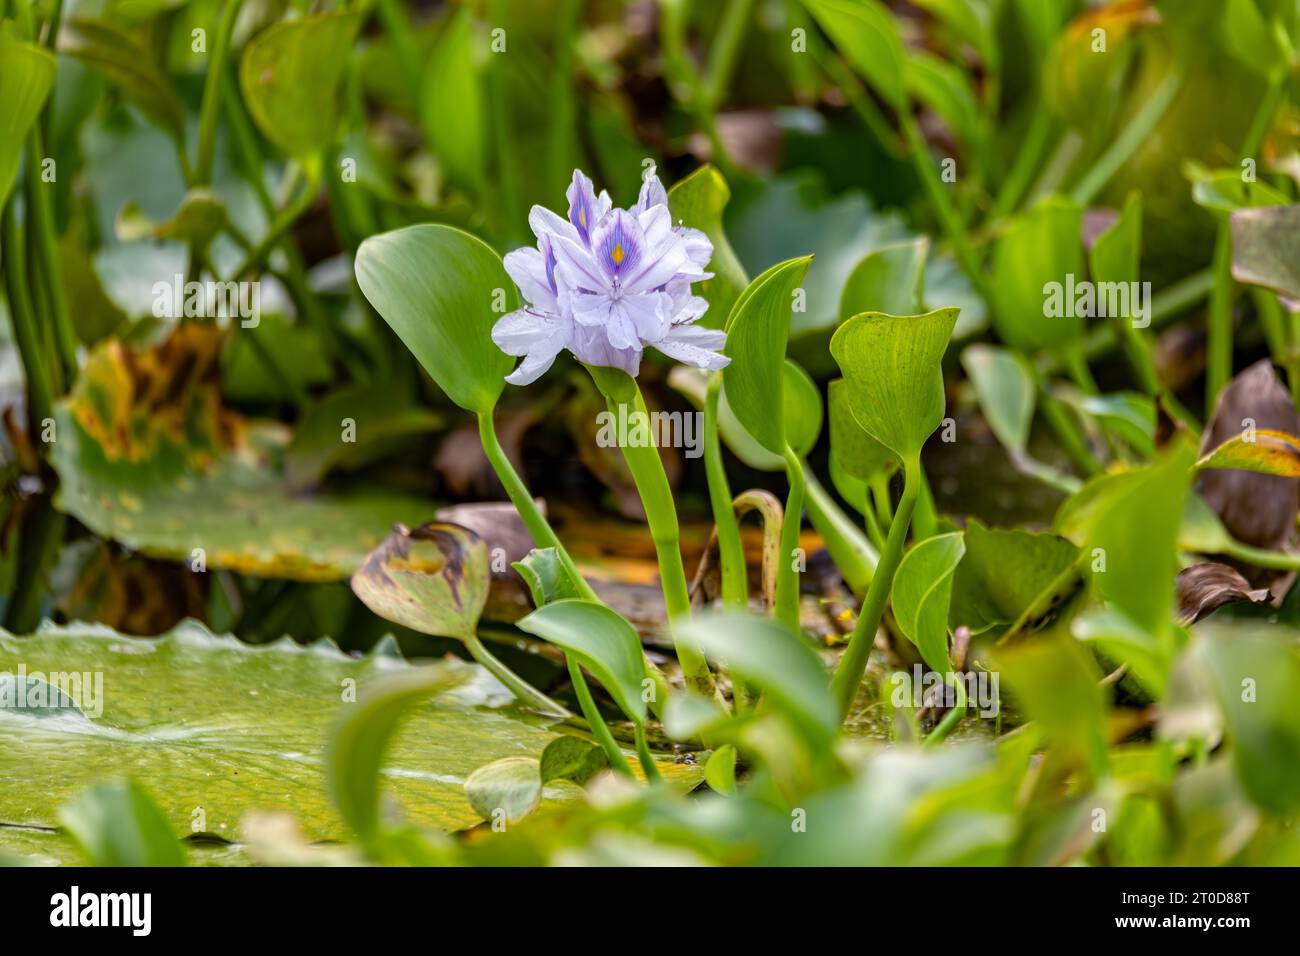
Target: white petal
{"type": "Point", "coordinates": [543, 222]}
{"type": "Point", "coordinates": [528, 270]}
{"type": "Point", "coordinates": [580, 269]}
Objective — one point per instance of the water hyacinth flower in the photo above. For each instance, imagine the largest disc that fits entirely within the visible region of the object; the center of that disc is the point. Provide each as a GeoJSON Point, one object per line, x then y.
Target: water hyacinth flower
{"type": "Point", "coordinates": [606, 283]}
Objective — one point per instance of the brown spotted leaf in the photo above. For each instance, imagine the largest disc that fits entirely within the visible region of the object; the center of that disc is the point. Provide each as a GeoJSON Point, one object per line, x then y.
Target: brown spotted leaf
{"type": "Point", "coordinates": [1258, 509]}
{"type": "Point", "coordinates": [433, 580]}
{"type": "Point", "coordinates": [1204, 587]}
{"type": "Point", "coordinates": [1265, 451]}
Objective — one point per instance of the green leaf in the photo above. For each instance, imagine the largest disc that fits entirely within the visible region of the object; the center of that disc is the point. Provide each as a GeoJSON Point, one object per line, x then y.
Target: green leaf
{"type": "Point", "coordinates": [1004, 388]}
{"type": "Point", "coordinates": [199, 218]}
{"type": "Point", "coordinates": [774, 659]}
{"type": "Point", "coordinates": [116, 52]}
{"type": "Point", "coordinates": [433, 580]}
{"type": "Point", "coordinates": [698, 201]}
{"type": "Point", "coordinates": [891, 365]}
{"type": "Point", "coordinates": [866, 33]}
{"type": "Point", "coordinates": [228, 727]}
{"type": "Point", "coordinates": [360, 742]}
{"type": "Point", "coordinates": [545, 576]}
{"type": "Point", "coordinates": [1116, 253]}
{"type": "Point", "coordinates": [1130, 415]}
{"type": "Point", "coordinates": [854, 454]}
{"type": "Point", "coordinates": [453, 109]}
{"type": "Point", "coordinates": [1128, 524]}
{"type": "Point", "coordinates": [970, 20]}
{"type": "Point", "coordinates": [757, 332]}
{"type": "Point", "coordinates": [118, 824]}
{"type": "Point", "coordinates": [720, 770]}
{"type": "Point", "coordinates": [1005, 572]}
{"type": "Point", "coordinates": [147, 456]}
{"type": "Point", "coordinates": [1041, 246]}
{"type": "Point", "coordinates": [437, 286]}
{"type": "Point", "coordinates": [1225, 191]}
{"type": "Point", "coordinates": [603, 641]}
{"type": "Point", "coordinates": [572, 758]}
{"type": "Point", "coordinates": [920, 594]}
{"type": "Point", "coordinates": [1266, 248]}
{"type": "Point", "coordinates": [509, 788]}
{"type": "Point", "coordinates": [1255, 673]}
{"type": "Point", "coordinates": [803, 409]}
{"type": "Point", "coordinates": [1262, 450]}
{"type": "Point", "coordinates": [890, 279]}
{"type": "Point", "coordinates": [946, 89]}
{"type": "Point", "coordinates": [290, 75]}
{"type": "Point", "coordinates": [1056, 684]}
{"type": "Point", "coordinates": [26, 75]}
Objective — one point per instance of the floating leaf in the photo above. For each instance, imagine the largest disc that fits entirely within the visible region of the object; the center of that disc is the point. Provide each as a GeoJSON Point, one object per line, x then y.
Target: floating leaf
{"type": "Point", "coordinates": [604, 642]}
{"type": "Point", "coordinates": [453, 109]}
{"type": "Point", "coordinates": [437, 286]}
{"type": "Point", "coordinates": [290, 75]}
{"type": "Point", "coordinates": [509, 788]}
{"type": "Point", "coordinates": [26, 76]}
{"type": "Point", "coordinates": [890, 280]}
{"type": "Point", "coordinates": [891, 365]}
{"type": "Point", "coordinates": [433, 580]}
{"type": "Point", "coordinates": [118, 824]}
{"type": "Point", "coordinates": [698, 201]}
{"type": "Point", "coordinates": [757, 332]}
{"type": "Point", "coordinates": [920, 594]}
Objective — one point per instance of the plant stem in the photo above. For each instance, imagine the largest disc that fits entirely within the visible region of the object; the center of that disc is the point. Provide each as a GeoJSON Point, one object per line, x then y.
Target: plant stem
{"type": "Point", "coordinates": [787, 575]}
{"type": "Point", "coordinates": [722, 55]}
{"type": "Point", "coordinates": [526, 692]}
{"type": "Point", "coordinates": [277, 229]}
{"type": "Point", "coordinates": [1128, 141]}
{"type": "Point", "coordinates": [599, 729]}
{"type": "Point", "coordinates": [40, 224]}
{"type": "Point", "coordinates": [1026, 161]}
{"type": "Point", "coordinates": [210, 109]}
{"type": "Point", "coordinates": [731, 551]}
{"type": "Point", "coordinates": [854, 662]}
{"type": "Point", "coordinates": [661, 515]}
{"type": "Point", "coordinates": [1072, 440]}
{"type": "Point", "coordinates": [1218, 349]}
{"type": "Point", "coordinates": [40, 398]}
{"type": "Point", "coordinates": [852, 553]}
{"type": "Point", "coordinates": [644, 755]}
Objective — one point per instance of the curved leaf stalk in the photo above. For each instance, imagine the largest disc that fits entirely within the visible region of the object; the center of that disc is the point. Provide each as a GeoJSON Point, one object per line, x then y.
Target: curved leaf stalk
{"type": "Point", "coordinates": [853, 664]}
{"type": "Point", "coordinates": [544, 537]}
{"type": "Point", "coordinates": [853, 553]}
{"type": "Point", "coordinates": [731, 552]}
{"type": "Point", "coordinates": [787, 575]}
{"type": "Point", "coordinates": [525, 691]}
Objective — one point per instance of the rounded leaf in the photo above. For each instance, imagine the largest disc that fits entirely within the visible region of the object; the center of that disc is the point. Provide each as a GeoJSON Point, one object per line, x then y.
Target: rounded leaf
{"type": "Point", "coordinates": [921, 592]}
{"type": "Point", "coordinates": [511, 786]}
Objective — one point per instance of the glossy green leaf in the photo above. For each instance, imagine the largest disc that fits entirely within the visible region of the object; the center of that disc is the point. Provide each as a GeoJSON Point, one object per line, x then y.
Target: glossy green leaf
{"type": "Point", "coordinates": [506, 790]}
{"type": "Point", "coordinates": [891, 365]}
{"type": "Point", "coordinates": [757, 332]}
{"type": "Point", "coordinates": [803, 409]}
{"type": "Point", "coordinates": [865, 31]}
{"type": "Point", "coordinates": [774, 659]}
{"type": "Point", "coordinates": [26, 76]}
{"type": "Point", "coordinates": [1004, 388]}
{"type": "Point", "coordinates": [545, 577]}
{"type": "Point", "coordinates": [890, 279]}
{"type": "Point", "coordinates": [433, 579]}
{"type": "Point", "coordinates": [119, 824]}
{"type": "Point", "coordinates": [1266, 248]}
{"type": "Point", "coordinates": [117, 53]}
{"type": "Point", "coordinates": [453, 109]}
{"type": "Point", "coordinates": [855, 456]}
{"type": "Point", "coordinates": [920, 594]}
{"type": "Point", "coordinates": [603, 641]}
{"type": "Point", "coordinates": [698, 201]}
{"type": "Point", "coordinates": [438, 288]}
{"type": "Point", "coordinates": [290, 75]}
{"type": "Point", "coordinates": [1040, 247]}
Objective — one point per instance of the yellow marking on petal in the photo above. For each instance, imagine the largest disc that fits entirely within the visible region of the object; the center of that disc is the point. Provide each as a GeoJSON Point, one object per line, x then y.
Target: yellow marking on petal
{"type": "Point", "coordinates": [582, 217]}
{"type": "Point", "coordinates": [617, 255]}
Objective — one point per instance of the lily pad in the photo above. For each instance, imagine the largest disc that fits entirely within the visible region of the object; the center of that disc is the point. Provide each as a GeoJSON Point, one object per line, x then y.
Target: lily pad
{"type": "Point", "coordinates": [147, 456]}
